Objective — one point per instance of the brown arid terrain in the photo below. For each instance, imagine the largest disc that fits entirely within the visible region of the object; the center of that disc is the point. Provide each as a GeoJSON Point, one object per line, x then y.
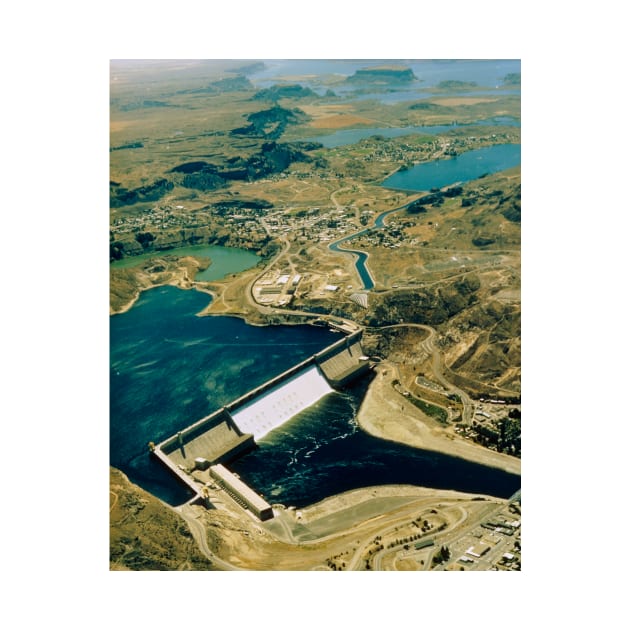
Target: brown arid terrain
{"type": "Point", "coordinates": [442, 321]}
{"type": "Point", "coordinates": [371, 528]}
{"type": "Point", "coordinates": [146, 534]}
{"type": "Point", "coordinates": [395, 418]}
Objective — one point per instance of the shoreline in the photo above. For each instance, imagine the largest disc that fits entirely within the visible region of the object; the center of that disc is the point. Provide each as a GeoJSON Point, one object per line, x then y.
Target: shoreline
{"type": "Point", "coordinates": [187, 285]}
{"type": "Point", "coordinates": [381, 413]}
{"type": "Point", "coordinates": [398, 420]}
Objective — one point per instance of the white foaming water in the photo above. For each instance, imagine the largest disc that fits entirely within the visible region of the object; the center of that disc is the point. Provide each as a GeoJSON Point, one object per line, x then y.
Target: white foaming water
{"type": "Point", "coordinates": [273, 408]}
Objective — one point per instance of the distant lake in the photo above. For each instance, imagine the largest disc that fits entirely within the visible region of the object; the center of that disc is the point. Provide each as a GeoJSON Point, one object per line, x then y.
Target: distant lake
{"type": "Point", "coordinates": [463, 168]}
{"type": "Point", "coordinates": [400, 96]}
{"type": "Point", "coordinates": [351, 136]}
{"type": "Point", "coordinates": [225, 260]}
{"type": "Point", "coordinates": [484, 72]}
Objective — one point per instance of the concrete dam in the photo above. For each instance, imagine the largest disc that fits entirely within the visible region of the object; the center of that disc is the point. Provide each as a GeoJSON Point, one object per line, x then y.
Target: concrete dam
{"type": "Point", "coordinates": [277, 404]}
{"type": "Point", "coordinates": [196, 454]}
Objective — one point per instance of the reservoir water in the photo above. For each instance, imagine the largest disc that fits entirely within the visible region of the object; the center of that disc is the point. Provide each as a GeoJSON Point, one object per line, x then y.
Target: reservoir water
{"type": "Point", "coordinates": [169, 368]}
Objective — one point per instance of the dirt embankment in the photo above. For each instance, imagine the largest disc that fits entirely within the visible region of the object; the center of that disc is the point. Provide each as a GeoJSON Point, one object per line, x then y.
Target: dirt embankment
{"type": "Point", "coordinates": [385, 414]}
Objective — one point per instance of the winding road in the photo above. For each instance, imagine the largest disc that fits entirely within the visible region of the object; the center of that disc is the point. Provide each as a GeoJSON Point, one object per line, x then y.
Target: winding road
{"type": "Point", "coordinates": [198, 532]}
{"type": "Point", "coordinates": [428, 345]}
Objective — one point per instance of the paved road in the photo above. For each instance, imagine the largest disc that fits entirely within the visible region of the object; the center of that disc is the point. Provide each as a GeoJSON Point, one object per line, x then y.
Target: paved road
{"type": "Point", "coordinates": [198, 532]}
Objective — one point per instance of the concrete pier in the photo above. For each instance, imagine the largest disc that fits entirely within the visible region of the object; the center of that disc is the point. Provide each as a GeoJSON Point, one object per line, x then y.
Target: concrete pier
{"type": "Point", "coordinates": [344, 361]}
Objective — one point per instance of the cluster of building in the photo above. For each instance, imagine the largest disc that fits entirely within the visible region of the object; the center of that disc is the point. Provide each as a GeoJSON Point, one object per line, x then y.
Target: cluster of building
{"type": "Point", "coordinates": [495, 545]}
{"type": "Point", "coordinates": [159, 218]}
{"type": "Point", "coordinates": [276, 289]}
{"type": "Point", "coordinates": [163, 221]}
{"type": "Point", "coordinates": [279, 288]}
{"type": "Point", "coordinates": [495, 425]}
{"type": "Point", "coordinates": [392, 235]}
{"type": "Point", "coordinates": [314, 224]}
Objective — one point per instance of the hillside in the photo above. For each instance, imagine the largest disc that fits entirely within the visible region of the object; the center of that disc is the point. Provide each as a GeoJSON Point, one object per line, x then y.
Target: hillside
{"type": "Point", "coordinates": [146, 534]}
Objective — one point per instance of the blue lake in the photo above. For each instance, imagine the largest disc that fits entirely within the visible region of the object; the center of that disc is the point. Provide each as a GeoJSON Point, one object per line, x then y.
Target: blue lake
{"type": "Point", "coordinates": [465, 167]}
{"type": "Point", "coordinates": [169, 368]}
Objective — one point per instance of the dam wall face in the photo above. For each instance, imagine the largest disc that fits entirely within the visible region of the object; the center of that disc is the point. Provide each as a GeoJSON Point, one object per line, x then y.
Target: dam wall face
{"type": "Point", "coordinates": [343, 361]}
{"type": "Point", "coordinates": [280, 402]}
{"type": "Point", "coordinates": [215, 438]}
{"type": "Point", "coordinates": [279, 399]}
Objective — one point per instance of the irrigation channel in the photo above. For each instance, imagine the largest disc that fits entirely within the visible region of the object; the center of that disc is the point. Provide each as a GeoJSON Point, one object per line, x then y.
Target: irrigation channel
{"type": "Point", "coordinates": [424, 177]}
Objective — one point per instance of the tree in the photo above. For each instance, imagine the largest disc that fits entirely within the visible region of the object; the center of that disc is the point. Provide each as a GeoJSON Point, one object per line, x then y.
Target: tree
{"type": "Point", "coordinates": [116, 250]}
{"type": "Point", "coordinates": [145, 239]}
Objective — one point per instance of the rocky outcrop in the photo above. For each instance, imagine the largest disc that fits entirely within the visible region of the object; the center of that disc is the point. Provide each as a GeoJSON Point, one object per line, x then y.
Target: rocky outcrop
{"type": "Point", "coordinates": [121, 196]}
{"type": "Point", "coordinates": [238, 83]}
{"type": "Point", "coordinates": [271, 123]}
{"type": "Point", "coordinates": [276, 92]}
{"type": "Point", "coordinates": [272, 158]}
{"type": "Point", "coordinates": [383, 74]}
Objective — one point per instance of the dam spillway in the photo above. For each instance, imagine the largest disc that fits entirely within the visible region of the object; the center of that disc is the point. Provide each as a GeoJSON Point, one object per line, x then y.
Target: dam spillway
{"type": "Point", "coordinates": [281, 402]}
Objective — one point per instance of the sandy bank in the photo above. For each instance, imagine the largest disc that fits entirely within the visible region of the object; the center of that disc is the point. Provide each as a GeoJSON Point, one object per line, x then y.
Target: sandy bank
{"type": "Point", "coordinates": [387, 415]}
